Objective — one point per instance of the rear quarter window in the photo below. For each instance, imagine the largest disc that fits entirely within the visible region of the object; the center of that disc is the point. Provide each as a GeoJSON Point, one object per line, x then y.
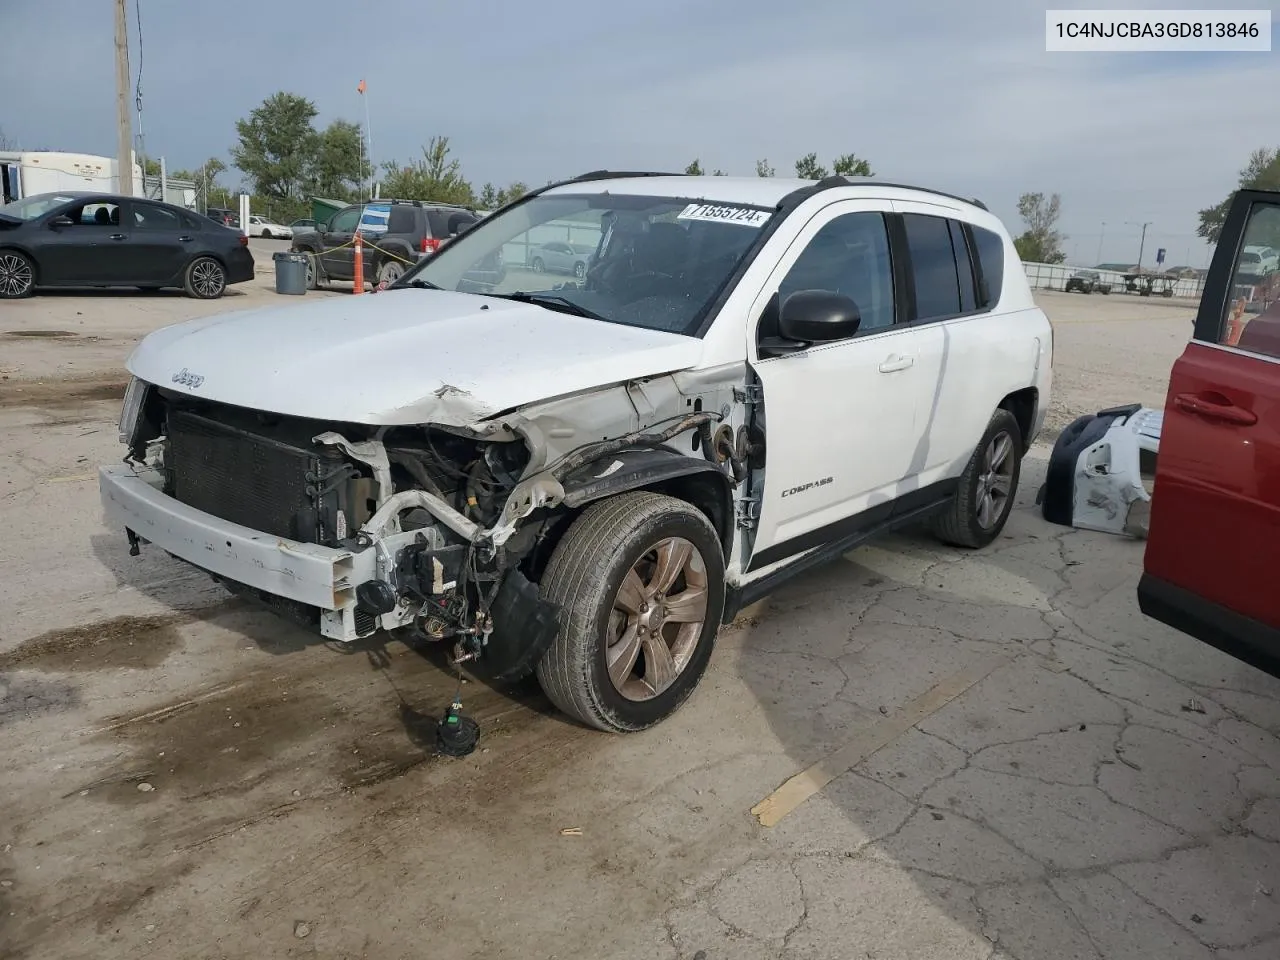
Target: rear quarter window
{"type": "Point", "coordinates": [445, 223]}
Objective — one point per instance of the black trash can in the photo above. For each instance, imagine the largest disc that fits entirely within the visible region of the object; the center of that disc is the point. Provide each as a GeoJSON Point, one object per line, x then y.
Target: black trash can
{"type": "Point", "coordinates": [291, 273]}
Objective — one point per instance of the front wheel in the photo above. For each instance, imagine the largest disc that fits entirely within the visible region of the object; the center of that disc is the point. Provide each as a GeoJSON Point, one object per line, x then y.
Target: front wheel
{"type": "Point", "coordinates": [640, 580]}
{"type": "Point", "coordinates": [266, 234]}
{"type": "Point", "coordinates": [978, 512]}
{"type": "Point", "coordinates": [538, 265]}
{"type": "Point", "coordinates": [17, 275]}
{"type": "Point", "coordinates": [205, 279]}
{"type": "Point", "coordinates": [579, 269]}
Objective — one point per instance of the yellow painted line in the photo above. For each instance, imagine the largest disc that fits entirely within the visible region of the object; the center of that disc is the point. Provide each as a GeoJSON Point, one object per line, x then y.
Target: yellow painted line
{"type": "Point", "coordinates": [867, 741]}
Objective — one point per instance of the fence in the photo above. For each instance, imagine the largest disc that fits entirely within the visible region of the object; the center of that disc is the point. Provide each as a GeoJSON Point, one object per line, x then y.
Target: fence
{"type": "Point", "coordinates": [520, 251]}
{"type": "Point", "coordinates": [1053, 276]}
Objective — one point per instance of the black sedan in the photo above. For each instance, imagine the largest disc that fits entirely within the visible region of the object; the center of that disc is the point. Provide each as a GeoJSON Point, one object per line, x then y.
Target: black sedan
{"type": "Point", "coordinates": [100, 240]}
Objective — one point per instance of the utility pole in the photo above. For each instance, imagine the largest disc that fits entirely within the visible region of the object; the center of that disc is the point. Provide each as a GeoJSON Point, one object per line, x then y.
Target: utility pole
{"type": "Point", "coordinates": [1101, 236]}
{"type": "Point", "coordinates": [1142, 243]}
{"type": "Point", "coordinates": [124, 146]}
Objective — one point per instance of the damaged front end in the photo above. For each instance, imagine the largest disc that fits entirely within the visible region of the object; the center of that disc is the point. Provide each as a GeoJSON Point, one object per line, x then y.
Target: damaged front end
{"type": "Point", "coordinates": [351, 528]}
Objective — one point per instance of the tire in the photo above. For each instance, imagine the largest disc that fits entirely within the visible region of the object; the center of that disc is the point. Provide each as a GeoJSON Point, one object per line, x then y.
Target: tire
{"type": "Point", "coordinates": [961, 525]}
{"type": "Point", "coordinates": [266, 234]}
{"type": "Point", "coordinates": [17, 275]}
{"type": "Point", "coordinates": [579, 269]}
{"type": "Point", "coordinates": [538, 265]}
{"type": "Point", "coordinates": [315, 273]}
{"type": "Point", "coordinates": [205, 279]}
{"type": "Point", "coordinates": [390, 272]}
{"type": "Point", "coordinates": [605, 546]}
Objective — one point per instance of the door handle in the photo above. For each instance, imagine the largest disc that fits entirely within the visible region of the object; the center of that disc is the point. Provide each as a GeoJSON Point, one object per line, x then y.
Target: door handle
{"type": "Point", "coordinates": [893, 363]}
{"type": "Point", "coordinates": [118, 236]}
{"type": "Point", "coordinates": [1227, 412]}
{"type": "Point", "coordinates": [185, 239]}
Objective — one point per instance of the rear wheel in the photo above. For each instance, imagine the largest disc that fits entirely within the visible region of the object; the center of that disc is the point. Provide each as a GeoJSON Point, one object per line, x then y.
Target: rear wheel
{"type": "Point", "coordinates": [988, 485]}
{"type": "Point", "coordinates": [390, 272]}
{"type": "Point", "coordinates": [205, 279]}
{"type": "Point", "coordinates": [315, 277]}
{"type": "Point", "coordinates": [17, 275]}
{"type": "Point", "coordinates": [538, 265]}
{"type": "Point", "coordinates": [640, 578]}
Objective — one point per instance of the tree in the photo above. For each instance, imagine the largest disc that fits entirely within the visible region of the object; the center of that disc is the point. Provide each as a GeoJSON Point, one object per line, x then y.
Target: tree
{"type": "Point", "coordinates": [488, 199]}
{"type": "Point", "coordinates": [1261, 172]}
{"type": "Point", "coordinates": [850, 165]}
{"type": "Point", "coordinates": [434, 177]}
{"type": "Point", "coordinates": [1041, 242]}
{"type": "Point", "coordinates": [339, 167]}
{"type": "Point", "coordinates": [763, 169]}
{"type": "Point", "coordinates": [512, 192]}
{"type": "Point", "coordinates": [694, 169]}
{"type": "Point", "coordinates": [808, 168]}
{"type": "Point", "coordinates": [278, 146]}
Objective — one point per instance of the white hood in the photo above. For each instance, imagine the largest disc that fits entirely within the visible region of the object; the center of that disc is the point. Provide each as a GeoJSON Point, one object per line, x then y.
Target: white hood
{"type": "Point", "coordinates": [401, 357]}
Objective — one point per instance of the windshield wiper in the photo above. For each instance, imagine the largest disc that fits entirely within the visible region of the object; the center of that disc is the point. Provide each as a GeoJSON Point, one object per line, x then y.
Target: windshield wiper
{"type": "Point", "coordinates": [551, 302]}
{"type": "Point", "coordinates": [422, 285]}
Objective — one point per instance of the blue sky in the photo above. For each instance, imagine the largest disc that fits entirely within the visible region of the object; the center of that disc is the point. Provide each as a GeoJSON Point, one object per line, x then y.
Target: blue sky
{"type": "Point", "coordinates": [958, 96]}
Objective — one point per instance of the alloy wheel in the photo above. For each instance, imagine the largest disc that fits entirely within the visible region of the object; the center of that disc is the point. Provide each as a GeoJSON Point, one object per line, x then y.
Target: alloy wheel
{"type": "Point", "coordinates": [16, 275]}
{"type": "Point", "coordinates": [657, 619]}
{"type": "Point", "coordinates": [995, 482]}
{"type": "Point", "coordinates": [207, 278]}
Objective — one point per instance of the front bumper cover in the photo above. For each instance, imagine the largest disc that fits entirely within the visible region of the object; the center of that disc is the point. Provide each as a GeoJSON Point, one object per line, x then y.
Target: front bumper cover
{"type": "Point", "coordinates": [318, 576]}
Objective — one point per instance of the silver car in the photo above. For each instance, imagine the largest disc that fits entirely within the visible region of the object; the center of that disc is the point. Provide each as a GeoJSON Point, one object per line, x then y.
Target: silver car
{"type": "Point", "coordinates": [559, 257]}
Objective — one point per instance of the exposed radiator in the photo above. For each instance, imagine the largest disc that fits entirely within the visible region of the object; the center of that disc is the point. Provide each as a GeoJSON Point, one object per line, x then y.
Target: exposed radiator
{"type": "Point", "coordinates": [249, 479]}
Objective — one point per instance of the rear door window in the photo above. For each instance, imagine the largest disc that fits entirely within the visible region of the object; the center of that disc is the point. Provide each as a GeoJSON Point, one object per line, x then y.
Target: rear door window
{"type": "Point", "coordinates": [990, 251]}
{"type": "Point", "coordinates": [964, 267]}
{"type": "Point", "coordinates": [401, 219]}
{"type": "Point", "coordinates": [933, 261]}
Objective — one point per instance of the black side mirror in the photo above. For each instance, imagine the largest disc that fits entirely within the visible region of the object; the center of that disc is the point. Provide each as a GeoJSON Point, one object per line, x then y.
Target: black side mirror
{"type": "Point", "coordinates": [818, 316]}
{"type": "Point", "coordinates": [62, 220]}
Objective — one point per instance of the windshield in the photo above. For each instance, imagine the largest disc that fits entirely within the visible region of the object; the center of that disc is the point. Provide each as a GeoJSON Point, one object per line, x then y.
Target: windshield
{"type": "Point", "coordinates": [653, 262]}
{"type": "Point", "coordinates": [33, 207]}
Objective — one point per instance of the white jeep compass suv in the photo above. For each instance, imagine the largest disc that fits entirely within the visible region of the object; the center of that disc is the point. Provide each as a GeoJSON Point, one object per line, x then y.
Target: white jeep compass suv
{"type": "Point", "coordinates": [585, 477]}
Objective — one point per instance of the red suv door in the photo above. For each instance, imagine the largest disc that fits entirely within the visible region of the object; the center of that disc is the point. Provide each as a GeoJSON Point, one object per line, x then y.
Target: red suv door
{"type": "Point", "coordinates": [1212, 566]}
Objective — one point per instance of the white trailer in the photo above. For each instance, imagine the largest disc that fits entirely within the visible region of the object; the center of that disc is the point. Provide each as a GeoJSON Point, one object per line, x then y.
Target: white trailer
{"type": "Point", "coordinates": [25, 173]}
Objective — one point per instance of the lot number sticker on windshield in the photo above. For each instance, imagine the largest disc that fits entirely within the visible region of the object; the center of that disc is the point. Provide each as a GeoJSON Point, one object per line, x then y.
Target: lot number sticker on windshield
{"type": "Point", "coordinates": [722, 214]}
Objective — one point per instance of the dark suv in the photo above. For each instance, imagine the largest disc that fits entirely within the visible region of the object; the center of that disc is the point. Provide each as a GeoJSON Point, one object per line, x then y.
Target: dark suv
{"type": "Point", "coordinates": [394, 235]}
{"type": "Point", "coordinates": [227, 218]}
{"type": "Point", "coordinates": [1087, 281]}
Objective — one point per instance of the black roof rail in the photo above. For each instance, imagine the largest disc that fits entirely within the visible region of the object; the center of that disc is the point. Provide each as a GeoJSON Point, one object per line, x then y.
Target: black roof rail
{"type": "Point", "coordinates": [621, 175]}
{"type": "Point", "coordinates": [826, 183]}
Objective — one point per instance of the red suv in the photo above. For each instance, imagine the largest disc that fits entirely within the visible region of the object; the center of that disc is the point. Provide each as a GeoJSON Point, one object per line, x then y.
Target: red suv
{"type": "Point", "coordinates": [1213, 547]}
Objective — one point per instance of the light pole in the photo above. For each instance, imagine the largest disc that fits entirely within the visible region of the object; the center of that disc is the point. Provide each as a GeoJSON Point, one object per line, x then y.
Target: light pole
{"type": "Point", "coordinates": [1142, 244]}
{"type": "Point", "coordinates": [1101, 236]}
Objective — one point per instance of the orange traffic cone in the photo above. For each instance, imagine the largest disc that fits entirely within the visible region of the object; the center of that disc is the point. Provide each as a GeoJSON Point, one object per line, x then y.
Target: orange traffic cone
{"type": "Point", "coordinates": [359, 265]}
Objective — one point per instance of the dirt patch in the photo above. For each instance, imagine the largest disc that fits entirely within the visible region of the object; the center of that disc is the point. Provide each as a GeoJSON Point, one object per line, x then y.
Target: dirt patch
{"type": "Point", "coordinates": [135, 643]}
{"type": "Point", "coordinates": [62, 393]}
{"type": "Point", "coordinates": [41, 334]}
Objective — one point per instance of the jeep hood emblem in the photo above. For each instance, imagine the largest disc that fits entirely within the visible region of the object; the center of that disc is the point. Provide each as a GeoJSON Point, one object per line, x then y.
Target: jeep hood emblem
{"type": "Point", "coordinates": [186, 378]}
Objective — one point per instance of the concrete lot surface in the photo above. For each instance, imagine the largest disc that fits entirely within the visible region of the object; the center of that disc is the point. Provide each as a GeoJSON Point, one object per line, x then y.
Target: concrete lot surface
{"type": "Point", "coordinates": [1023, 767]}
